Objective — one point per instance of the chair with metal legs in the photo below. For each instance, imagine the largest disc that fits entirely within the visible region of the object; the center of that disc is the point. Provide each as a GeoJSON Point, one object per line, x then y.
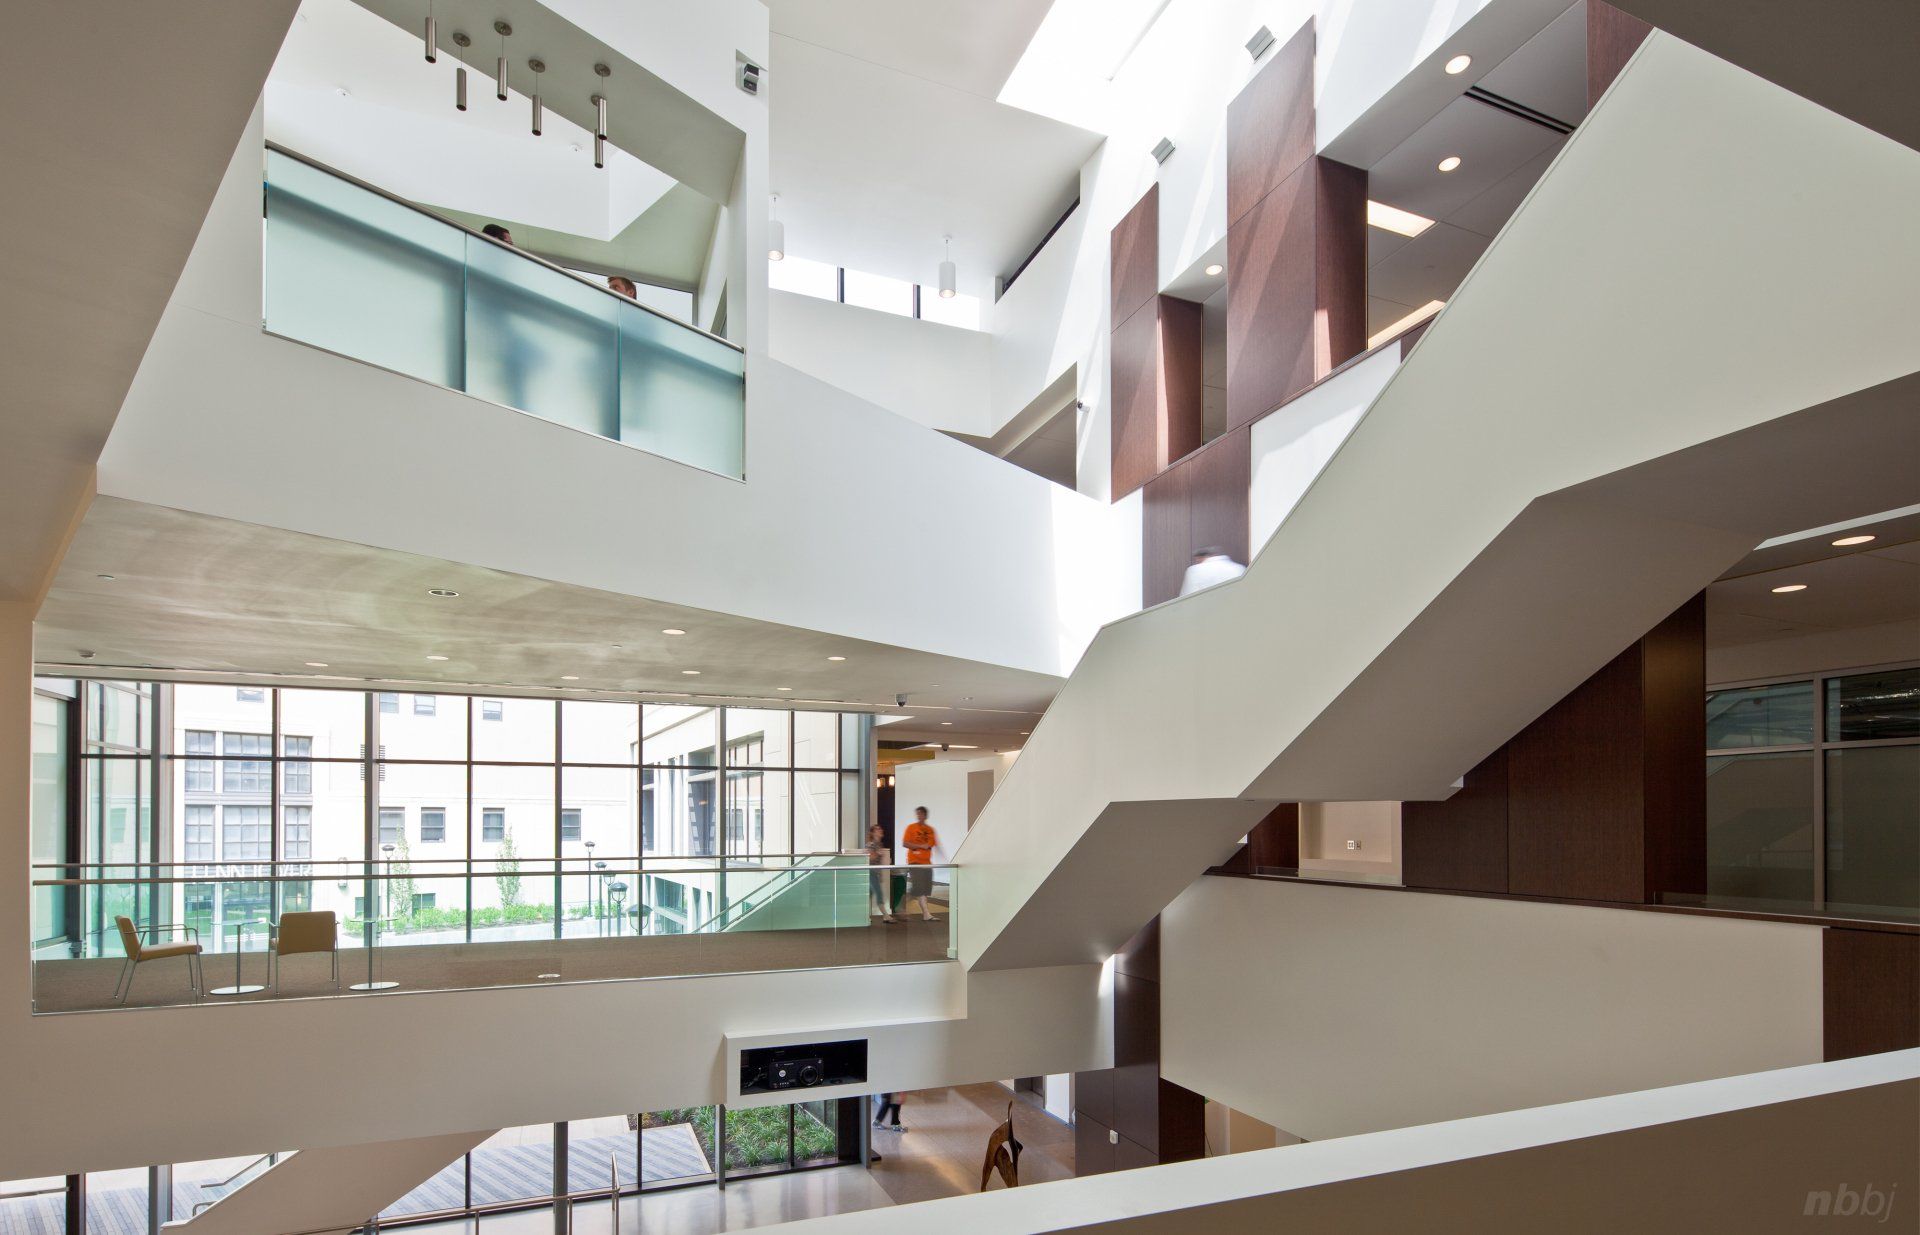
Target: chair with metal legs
{"type": "Point", "coordinates": [138, 953]}
{"type": "Point", "coordinates": [305, 931]}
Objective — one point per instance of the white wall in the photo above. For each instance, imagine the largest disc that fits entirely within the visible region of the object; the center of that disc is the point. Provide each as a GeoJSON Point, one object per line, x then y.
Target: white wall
{"type": "Point", "coordinates": [934, 375]}
{"type": "Point", "coordinates": [940, 785]}
{"type": "Point", "coordinates": [1291, 446]}
{"type": "Point", "coordinates": [1378, 1009]}
{"type": "Point", "coordinates": [1327, 829]}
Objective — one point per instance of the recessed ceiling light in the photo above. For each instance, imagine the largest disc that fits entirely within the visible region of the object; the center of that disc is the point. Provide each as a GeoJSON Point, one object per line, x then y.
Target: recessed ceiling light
{"type": "Point", "coordinates": [569, 677]}
{"type": "Point", "coordinates": [1842, 543]}
{"type": "Point", "coordinates": [1026, 733]}
{"type": "Point", "coordinates": [316, 664]}
{"type": "Point", "coordinates": [109, 578]}
{"type": "Point", "coordinates": [1459, 64]}
{"type": "Point", "coordinates": [692, 673]}
{"type": "Point", "coordinates": [673, 630]}
{"type": "Point", "coordinates": [1395, 220]}
{"type": "Point", "coordinates": [1406, 323]}
{"type": "Point", "coordinates": [1214, 269]}
{"type": "Point", "coordinates": [957, 746]}
{"type": "Point", "coordinates": [84, 655]}
{"type": "Point", "coordinates": [946, 722]}
{"type": "Point", "coordinates": [783, 688]}
{"type": "Point", "coordinates": [436, 658]}
{"type": "Point", "coordinates": [836, 658]}
{"type": "Point", "coordinates": [444, 593]}
{"type": "Point", "coordinates": [1449, 163]}
{"type": "Point", "coordinates": [1790, 587]}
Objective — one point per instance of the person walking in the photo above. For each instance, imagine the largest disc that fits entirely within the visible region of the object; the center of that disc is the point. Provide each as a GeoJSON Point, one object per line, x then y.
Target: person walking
{"type": "Point", "coordinates": [882, 1103]}
{"type": "Point", "coordinates": [1211, 566]}
{"type": "Point", "coordinates": [879, 877]}
{"type": "Point", "coordinates": [920, 838]}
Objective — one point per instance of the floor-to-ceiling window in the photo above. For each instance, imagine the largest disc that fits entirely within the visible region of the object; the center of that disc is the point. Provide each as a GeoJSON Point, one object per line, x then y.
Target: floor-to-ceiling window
{"type": "Point", "coordinates": [52, 840]}
{"type": "Point", "coordinates": [1813, 792]}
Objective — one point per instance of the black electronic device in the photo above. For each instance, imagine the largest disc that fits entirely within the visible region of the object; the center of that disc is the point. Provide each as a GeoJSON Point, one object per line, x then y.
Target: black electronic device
{"type": "Point", "coordinates": [803, 1065]}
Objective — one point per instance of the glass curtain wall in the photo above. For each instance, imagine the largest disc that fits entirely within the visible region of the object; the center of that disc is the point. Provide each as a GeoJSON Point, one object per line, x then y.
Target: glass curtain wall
{"type": "Point", "coordinates": [1813, 792]}
{"type": "Point", "coordinates": [52, 829]}
{"type": "Point", "coordinates": [657, 816]}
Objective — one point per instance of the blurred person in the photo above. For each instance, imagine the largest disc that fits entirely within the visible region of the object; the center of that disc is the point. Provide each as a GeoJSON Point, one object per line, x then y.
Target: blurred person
{"type": "Point", "coordinates": [1211, 566]}
{"type": "Point", "coordinates": [920, 838]}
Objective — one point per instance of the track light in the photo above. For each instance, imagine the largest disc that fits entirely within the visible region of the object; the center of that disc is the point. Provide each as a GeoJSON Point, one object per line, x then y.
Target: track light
{"type": "Point", "coordinates": [947, 272]}
{"type": "Point", "coordinates": [537, 66]}
{"type": "Point", "coordinates": [776, 234]}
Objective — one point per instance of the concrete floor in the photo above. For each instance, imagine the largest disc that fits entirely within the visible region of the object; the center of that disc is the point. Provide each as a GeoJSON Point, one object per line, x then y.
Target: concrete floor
{"type": "Point", "coordinates": [78, 985]}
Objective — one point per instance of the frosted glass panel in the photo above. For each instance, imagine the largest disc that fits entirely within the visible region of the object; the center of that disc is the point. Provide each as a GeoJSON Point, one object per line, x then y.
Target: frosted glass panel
{"type": "Point", "coordinates": [357, 274]}
{"type": "Point", "coordinates": [540, 341]}
{"type": "Point", "coordinates": [682, 394]}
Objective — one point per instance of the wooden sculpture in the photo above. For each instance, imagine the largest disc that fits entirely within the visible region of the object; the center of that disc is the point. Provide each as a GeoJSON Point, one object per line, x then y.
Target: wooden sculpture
{"type": "Point", "coordinates": [1003, 1154]}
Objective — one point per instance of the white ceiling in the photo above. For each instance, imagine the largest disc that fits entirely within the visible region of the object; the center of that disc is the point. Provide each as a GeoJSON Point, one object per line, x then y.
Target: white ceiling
{"type": "Point", "coordinates": [1845, 588]}
{"type": "Point", "coordinates": [886, 137]}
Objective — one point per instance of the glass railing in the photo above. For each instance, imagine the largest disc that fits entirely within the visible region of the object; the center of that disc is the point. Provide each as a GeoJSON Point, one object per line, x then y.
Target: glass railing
{"type": "Point", "coordinates": [364, 274]}
{"type": "Point", "coordinates": [279, 930]}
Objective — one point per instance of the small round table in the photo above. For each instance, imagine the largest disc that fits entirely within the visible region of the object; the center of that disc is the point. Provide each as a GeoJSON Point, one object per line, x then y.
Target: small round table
{"type": "Point", "coordinates": [373, 948]}
{"type": "Point", "coordinates": [239, 987]}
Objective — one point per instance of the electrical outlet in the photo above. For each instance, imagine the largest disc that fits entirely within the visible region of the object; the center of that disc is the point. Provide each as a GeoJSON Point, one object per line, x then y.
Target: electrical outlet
{"type": "Point", "coordinates": [1353, 844]}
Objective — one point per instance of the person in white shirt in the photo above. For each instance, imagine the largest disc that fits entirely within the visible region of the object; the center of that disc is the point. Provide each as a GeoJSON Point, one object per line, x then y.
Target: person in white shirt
{"type": "Point", "coordinates": [1210, 566]}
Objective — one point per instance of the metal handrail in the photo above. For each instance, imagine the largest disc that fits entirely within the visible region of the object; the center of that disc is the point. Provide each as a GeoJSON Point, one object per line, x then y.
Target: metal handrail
{"type": "Point", "coordinates": [377, 191]}
{"type": "Point", "coordinates": [524, 872]}
{"type": "Point", "coordinates": [736, 859]}
{"type": "Point", "coordinates": [227, 1183]}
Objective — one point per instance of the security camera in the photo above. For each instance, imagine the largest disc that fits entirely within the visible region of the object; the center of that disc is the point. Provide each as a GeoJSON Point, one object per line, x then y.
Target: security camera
{"type": "Point", "coordinates": [900, 700]}
{"type": "Point", "coordinates": [944, 747]}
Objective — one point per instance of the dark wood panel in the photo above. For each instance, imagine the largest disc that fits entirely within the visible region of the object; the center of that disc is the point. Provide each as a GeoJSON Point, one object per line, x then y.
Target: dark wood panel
{"type": "Point", "coordinates": [1140, 958]}
{"type": "Point", "coordinates": [1612, 38]}
{"type": "Point", "coordinates": [1274, 842]}
{"type": "Point", "coordinates": [1411, 335]}
{"type": "Point", "coordinates": [1271, 300]}
{"type": "Point", "coordinates": [1129, 1155]}
{"type": "Point", "coordinates": [1136, 1059]}
{"type": "Point", "coordinates": [1871, 992]}
{"type": "Point", "coordinates": [1575, 792]}
{"type": "Point", "coordinates": [1133, 258]}
{"type": "Point", "coordinates": [1134, 366]}
{"type": "Point", "coordinates": [1340, 265]}
{"type": "Point", "coordinates": [1270, 125]}
{"type": "Point", "coordinates": [1459, 844]}
{"type": "Point", "coordinates": [1674, 671]}
{"type": "Point", "coordinates": [1092, 1148]}
{"type": "Point", "coordinates": [1183, 378]}
{"type": "Point", "coordinates": [1218, 481]}
{"type": "Point", "coordinates": [1166, 536]}
{"type": "Point", "coordinates": [1183, 1124]}
{"type": "Point", "coordinates": [1093, 1094]}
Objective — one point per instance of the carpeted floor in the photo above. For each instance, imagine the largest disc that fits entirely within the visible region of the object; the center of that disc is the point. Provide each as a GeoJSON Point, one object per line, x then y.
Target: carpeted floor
{"type": "Point", "coordinates": [79, 985]}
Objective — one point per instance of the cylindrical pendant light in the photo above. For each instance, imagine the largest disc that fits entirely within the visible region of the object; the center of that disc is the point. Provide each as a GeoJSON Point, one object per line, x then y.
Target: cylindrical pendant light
{"type": "Point", "coordinates": [948, 282]}
{"type": "Point", "coordinates": [538, 66]}
{"type": "Point", "coordinates": [600, 119]}
{"type": "Point", "coordinates": [776, 234]}
{"type": "Point", "coordinates": [433, 48]}
{"type": "Point", "coordinates": [502, 29]}
{"type": "Point", "coordinates": [461, 41]}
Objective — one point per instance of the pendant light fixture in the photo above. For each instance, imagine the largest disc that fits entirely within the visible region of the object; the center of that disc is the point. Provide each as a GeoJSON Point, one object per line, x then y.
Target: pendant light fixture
{"type": "Point", "coordinates": [502, 29]}
{"type": "Point", "coordinates": [538, 66]}
{"type": "Point", "coordinates": [947, 280]}
{"type": "Point", "coordinates": [433, 49]}
{"type": "Point", "coordinates": [460, 40]}
{"type": "Point", "coordinates": [776, 234]}
{"type": "Point", "coordinates": [600, 119]}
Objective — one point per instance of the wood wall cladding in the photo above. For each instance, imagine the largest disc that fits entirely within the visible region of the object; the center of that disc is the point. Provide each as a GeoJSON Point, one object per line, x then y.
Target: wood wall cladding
{"type": "Point", "coordinates": [1612, 38]}
{"type": "Point", "coordinates": [1460, 843]}
{"type": "Point", "coordinates": [1870, 991]}
{"type": "Point", "coordinates": [1674, 676]}
{"type": "Point", "coordinates": [1183, 377]}
{"type": "Point", "coordinates": [1166, 535]}
{"type": "Point", "coordinates": [1197, 503]}
{"type": "Point", "coordinates": [1153, 1119]}
{"type": "Point", "coordinates": [1137, 431]}
{"type": "Point", "coordinates": [1134, 258]}
{"type": "Point", "coordinates": [1270, 125]}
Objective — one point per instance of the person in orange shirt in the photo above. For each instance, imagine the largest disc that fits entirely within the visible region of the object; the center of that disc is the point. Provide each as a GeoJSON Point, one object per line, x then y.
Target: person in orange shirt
{"type": "Point", "coordinates": [920, 838]}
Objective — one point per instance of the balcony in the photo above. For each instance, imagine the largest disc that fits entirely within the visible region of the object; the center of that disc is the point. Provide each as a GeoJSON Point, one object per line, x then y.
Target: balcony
{"type": "Point", "coordinates": [476, 923]}
{"type": "Point", "coordinates": [360, 273]}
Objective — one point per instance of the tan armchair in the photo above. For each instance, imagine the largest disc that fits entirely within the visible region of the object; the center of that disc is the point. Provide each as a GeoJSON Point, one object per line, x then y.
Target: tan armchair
{"type": "Point", "coordinates": [139, 952]}
{"type": "Point", "coordinates": [311, 931]}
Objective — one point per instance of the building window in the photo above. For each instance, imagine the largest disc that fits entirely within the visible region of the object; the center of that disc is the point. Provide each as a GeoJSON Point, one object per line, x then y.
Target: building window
{"type": "Point", "coordinates": [249, 695]}
{"type": "Point", "coordinates": [389, 703]}
{"type": "Point", "coordinates": [425, 705]}
{"type": "Point", "coordinates": [646, 810]}
{"type": "Point", "coordinates": [246, 834]}
{"type": "Point", "coordinates": [393, 824]}
{"type": "Point", "coordinates": [247, 775]}
{"type": "Point", "coordinates": [199, 834]}
{"type": "Point", "coordinates": [424, 900]}
{"type": "Point", "coordinates": [297, 774]}
{"type": "Point", "coordinates": [570, 823]}
{"type": "Point", "coordinates": [492, 709]}
{"type": "Point", "coordinates": [493, 824]}
{"type": "Point", "coordinates": [296, 834]}
{"type": "Point", "coordinates": [433, 824]}
{"type": "Point", "coordinates": [200, 771]}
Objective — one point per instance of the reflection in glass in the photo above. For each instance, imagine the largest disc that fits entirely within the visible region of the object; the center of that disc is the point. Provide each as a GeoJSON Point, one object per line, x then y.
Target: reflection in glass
{"type": "Point", "coordinates": [1873, 827]}
{"type": "Point", "coordinates": [522, 734]}
{"type": "Point", "coordinates": [681, 394]}
{"type": "Point", "coordinates": [678, 1146]}
{"type": "Point", "coordinates": [1776, 715]}
{"type": "Point", "coordinates": [1760, 826]}
{"type": "Point", "coordinates": [598, 732]}
{"type": "Point", "coordinates": [1872, 707]}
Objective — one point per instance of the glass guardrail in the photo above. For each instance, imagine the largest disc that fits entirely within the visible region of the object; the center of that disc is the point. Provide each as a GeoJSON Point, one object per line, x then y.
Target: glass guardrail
{"type": "Point", "coordinates": [365, 275]}
{"type": "Point", "coordinates": [182, 933]}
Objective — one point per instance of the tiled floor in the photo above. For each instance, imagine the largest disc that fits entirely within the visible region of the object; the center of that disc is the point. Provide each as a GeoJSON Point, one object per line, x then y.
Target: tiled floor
{"type": "Point", "coordinates": [743, 1205]}
{"type": "Point", "coordinates": [941, 1152]}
